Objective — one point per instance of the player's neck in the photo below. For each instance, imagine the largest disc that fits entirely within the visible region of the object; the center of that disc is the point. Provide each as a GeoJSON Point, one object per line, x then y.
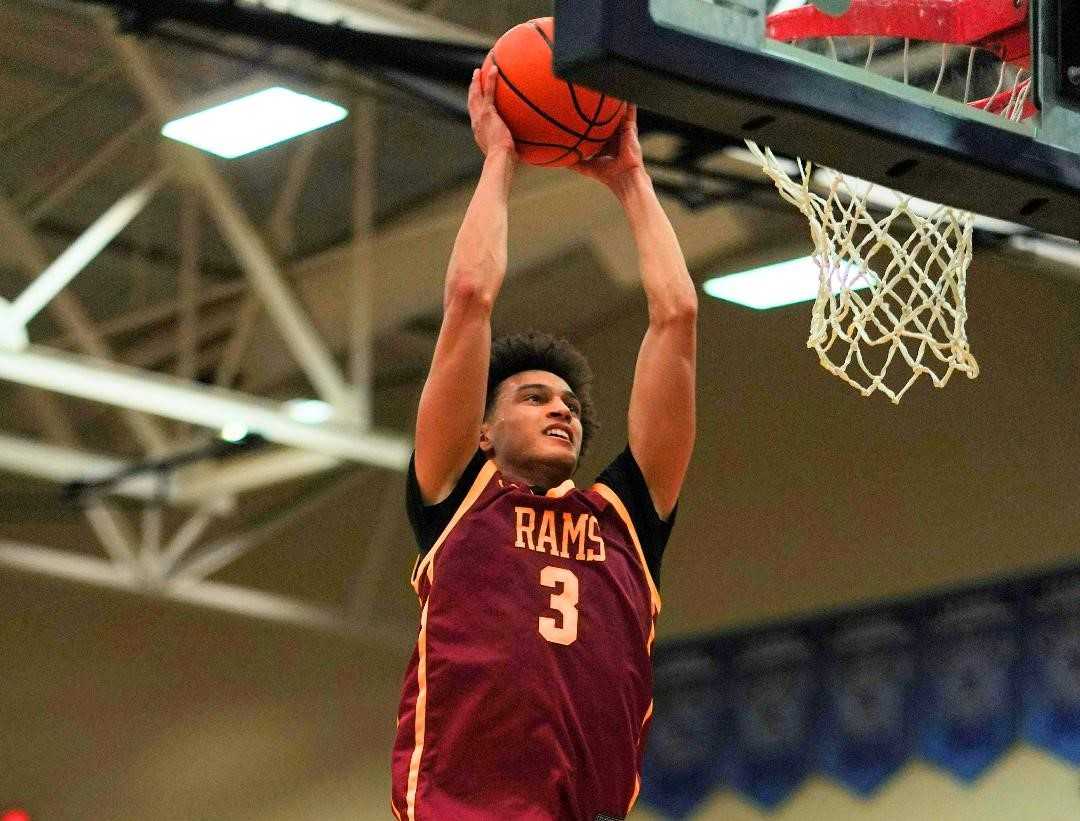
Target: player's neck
{"type": "Point", "coordinates": [540, 477]}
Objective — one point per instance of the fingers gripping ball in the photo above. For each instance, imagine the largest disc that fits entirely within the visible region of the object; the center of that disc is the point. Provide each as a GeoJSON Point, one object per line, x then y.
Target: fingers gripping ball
{"type": "Point", "coordinates": [554, 122]}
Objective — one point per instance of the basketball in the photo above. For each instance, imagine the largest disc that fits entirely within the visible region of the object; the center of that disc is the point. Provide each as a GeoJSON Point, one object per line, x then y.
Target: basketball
{"type": "Point", "coordinates": [554, 122]}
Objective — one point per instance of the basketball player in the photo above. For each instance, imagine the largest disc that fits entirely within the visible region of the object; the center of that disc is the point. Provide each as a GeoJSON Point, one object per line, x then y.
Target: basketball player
{"type": "Point", "coordinates": [529, 694]}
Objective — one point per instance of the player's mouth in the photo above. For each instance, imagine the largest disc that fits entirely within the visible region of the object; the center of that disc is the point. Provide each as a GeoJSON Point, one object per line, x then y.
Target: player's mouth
{"type": "Point", "coordinates": [560, 432]}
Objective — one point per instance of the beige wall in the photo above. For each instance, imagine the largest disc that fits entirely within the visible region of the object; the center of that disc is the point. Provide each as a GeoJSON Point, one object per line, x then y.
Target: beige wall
{"type": "Point", "coordinates": [118, 708]}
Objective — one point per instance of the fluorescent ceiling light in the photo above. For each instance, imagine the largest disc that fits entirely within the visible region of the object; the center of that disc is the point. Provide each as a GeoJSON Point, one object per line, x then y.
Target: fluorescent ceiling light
{"type": "Point", "coordinates": [886, 199]}
{"type": "Point", "coordinates": [234, 432]}
{"type": "Point", "coordinates": [309, 411]}
{"type": "Point", "coordinates": [1057, 249]}
{"type": "Point", "coordinates": [249, 123]}
{"type": "Point", "coordinates": [783, 283]}
{"type": "Point", "coordinates": [878, 196]}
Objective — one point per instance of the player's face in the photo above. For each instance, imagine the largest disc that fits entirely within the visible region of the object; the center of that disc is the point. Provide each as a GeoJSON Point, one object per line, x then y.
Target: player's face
{"type": "Point", "coordinates": [536, 418]}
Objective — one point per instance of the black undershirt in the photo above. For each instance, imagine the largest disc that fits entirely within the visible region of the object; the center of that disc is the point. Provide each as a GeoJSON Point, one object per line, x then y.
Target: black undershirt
{"type": "Point", "coordinates": [623, 476]}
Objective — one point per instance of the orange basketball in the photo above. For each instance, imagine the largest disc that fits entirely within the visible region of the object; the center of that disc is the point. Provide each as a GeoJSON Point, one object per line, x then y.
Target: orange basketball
{"type": "Point", "coordinates": [554, 122]}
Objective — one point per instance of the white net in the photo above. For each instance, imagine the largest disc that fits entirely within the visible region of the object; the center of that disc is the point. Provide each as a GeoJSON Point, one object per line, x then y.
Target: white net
{"type": "Point", "coordinates": [891, 289]}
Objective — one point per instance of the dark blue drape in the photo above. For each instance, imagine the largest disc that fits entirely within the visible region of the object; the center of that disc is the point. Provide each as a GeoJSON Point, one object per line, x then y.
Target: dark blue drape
{"type": "Point", "coordinates": [954, 679]}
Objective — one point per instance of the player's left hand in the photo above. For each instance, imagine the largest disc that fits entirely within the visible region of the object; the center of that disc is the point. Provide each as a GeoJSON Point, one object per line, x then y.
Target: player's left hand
{"type": "Point", "coordinates": [620, 159]}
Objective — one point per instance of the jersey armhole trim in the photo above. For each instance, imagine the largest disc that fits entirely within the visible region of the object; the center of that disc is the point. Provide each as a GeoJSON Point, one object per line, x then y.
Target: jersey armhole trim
{"type": "Point", "coordinates": [478, 485]}
{"type": "Point", "coordinates": [420, 725]}
{"type": "Point", "coordinates": [637, 774]}
{"type": "Point", "coordinates": [620, 508]}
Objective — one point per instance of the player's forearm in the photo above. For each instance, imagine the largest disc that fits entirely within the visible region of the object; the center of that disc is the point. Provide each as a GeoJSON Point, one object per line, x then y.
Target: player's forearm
{"type": "Point", "coordinates": [664, 276]}
{"type": "Point", "coordinates": [478, 262]}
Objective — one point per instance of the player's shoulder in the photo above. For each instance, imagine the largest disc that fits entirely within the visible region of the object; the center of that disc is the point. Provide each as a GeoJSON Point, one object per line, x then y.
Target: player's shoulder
{"type": "Point", "coordinates": [429, 521]}
{"type": "Point", "coordinates": [617, 485]}
{"type": "Point", "coordinates": [620, 473]}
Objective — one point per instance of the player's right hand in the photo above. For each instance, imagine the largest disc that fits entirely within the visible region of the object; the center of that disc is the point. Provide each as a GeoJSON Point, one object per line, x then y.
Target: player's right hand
{"type": "Point", "coordinates": [489, 130]}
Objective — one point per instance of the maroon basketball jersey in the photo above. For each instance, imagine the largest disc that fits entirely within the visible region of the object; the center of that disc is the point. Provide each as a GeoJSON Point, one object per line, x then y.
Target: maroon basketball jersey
{"type": "Point", "coordinates": [529, 693]}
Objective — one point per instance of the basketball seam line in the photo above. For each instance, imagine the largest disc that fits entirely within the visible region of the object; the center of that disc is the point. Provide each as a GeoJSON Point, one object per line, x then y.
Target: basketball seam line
{"type": "Point", "coordinates": [569, 85]}
{"type": "Point", "coordinates": [592, 121]}
{"type": "Point", "coordinates": [536, 144]}
{"type": "Point", "coordinates": [589, 128]}
{"type": "Point", "coordinates": [577, 104]}
{"type": "Point", "coordinates": [543, 34]}
{"type": "Point", "coordinates": [541, 144]}
{"type": "Point", "coordinates": [533, 106]}
{"type": "Point", "coordinates": [621, 108]}
{"type": "Point", "coordinates": [573, 91]}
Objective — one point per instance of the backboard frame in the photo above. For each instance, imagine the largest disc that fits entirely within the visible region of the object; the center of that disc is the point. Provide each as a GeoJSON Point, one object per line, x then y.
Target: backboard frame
{"type": "Point", "coordinates": [994, 168]}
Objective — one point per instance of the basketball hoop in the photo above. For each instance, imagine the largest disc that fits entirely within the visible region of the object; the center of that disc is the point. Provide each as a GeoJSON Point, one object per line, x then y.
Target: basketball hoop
{"type": "Point", "coordinates": [914, 309]}
{"type": "Point", "coordinates": [908, 257]}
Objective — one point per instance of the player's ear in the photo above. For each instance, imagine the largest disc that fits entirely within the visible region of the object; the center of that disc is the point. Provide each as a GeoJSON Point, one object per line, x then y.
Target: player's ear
{"type": "Point", "coordinates": [486, 445]}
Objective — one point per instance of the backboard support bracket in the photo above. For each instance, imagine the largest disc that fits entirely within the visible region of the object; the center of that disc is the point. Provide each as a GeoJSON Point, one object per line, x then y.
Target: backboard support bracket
{"type": "Point", "coordinates": [1056, 34]}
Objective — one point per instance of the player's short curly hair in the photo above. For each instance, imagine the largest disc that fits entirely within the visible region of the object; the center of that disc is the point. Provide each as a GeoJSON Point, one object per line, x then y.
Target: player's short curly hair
{"type": "Point", "coordinates": [537, 351]}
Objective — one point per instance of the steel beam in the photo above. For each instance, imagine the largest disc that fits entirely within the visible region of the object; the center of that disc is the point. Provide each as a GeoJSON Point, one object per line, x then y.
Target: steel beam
{"type": "Point", "coordinates": [376, 15]}
{"type": "Point", "coordinates": [224, 552]}
{"type": "Point", "coordinates": [58, 274]}
{"type": "Point", "coordinates": [195, 485]}
{"type": "Point", "coordinates": [113, 532]}
{"type": "Point", "coordinates": [57, 102]}
{"type": "Point", "coordinates": [242, 601]}
{"type": "Point", "coordinates": [364, 273]}
{"type": "Point", "coordinates": [281, 228]}
{"type": "Point", "coordinates": [69, 313]}
{"type": "Point", "coordinates": [64, 465]}
{"type": "Point", "coordinates": [185, 538]}
{"type": "Point", "coordinates": [242, 474]}
{"type": "Point", "coordinates": [263, 273]}
{"type": "Point", "coordinates": [188, 281]}
{"type": "Point", "coordinates": [78, 177]}
{"type": "Point", "coordinates": [210, 407]}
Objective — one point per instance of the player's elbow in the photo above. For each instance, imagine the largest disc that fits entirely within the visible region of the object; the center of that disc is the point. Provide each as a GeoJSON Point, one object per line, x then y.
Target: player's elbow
{"type": "Point", "coordinates": [686, 308]}
{"type": "Point", "coordinates": [679, 312]}
{"type": "Point", "coordinates": [466, 294]}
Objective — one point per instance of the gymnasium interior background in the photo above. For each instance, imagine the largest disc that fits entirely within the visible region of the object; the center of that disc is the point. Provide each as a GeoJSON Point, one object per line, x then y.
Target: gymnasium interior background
{"type": "Point", "coordinates": [803, 498]}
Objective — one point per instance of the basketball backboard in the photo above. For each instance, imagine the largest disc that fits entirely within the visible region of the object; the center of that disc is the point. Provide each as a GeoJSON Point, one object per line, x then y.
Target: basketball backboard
{"type": "Point", "coordinates": [889, 108]}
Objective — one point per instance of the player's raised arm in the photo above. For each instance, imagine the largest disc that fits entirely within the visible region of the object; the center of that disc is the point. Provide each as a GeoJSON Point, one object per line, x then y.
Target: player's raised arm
{"type": "Point", "coordinates": [452, 403]}
{"type": "Point", "coordinates": [662, 415]}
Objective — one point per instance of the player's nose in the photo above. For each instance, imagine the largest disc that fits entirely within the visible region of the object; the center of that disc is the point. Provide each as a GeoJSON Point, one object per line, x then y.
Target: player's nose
{"type": "Point", "coordinates": [560, 410]}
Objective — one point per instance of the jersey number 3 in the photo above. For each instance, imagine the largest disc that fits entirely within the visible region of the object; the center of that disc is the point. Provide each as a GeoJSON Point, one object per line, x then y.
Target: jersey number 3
{"type": "Point", "coordinates": [565, 601]}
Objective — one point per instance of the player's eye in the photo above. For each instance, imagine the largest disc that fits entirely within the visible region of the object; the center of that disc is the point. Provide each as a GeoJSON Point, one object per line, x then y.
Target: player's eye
{"type": "Point", "coordinates": [575, 407]}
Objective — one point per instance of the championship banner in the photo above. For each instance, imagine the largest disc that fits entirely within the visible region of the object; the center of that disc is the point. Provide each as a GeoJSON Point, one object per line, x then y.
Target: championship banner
{"type": "Point", "coordinates": [870, 702]}
{"type": "Point", "coordinates": [1051, 683]}
{"type": "Point", "coordinates": [775, 700]}
{"type": "Point", "coordinates": [954, 679]}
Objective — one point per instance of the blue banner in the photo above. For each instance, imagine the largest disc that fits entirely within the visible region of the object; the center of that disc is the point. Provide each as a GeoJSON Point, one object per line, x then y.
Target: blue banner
{"type": "Point", "coordinates": [867, 728]}
{"type": "Point", "coordinates": [774, 701]}
{"type": "Point", "coordinates": [1052, 672]}
{"type": "Point", "coordinates": [955, 679]}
